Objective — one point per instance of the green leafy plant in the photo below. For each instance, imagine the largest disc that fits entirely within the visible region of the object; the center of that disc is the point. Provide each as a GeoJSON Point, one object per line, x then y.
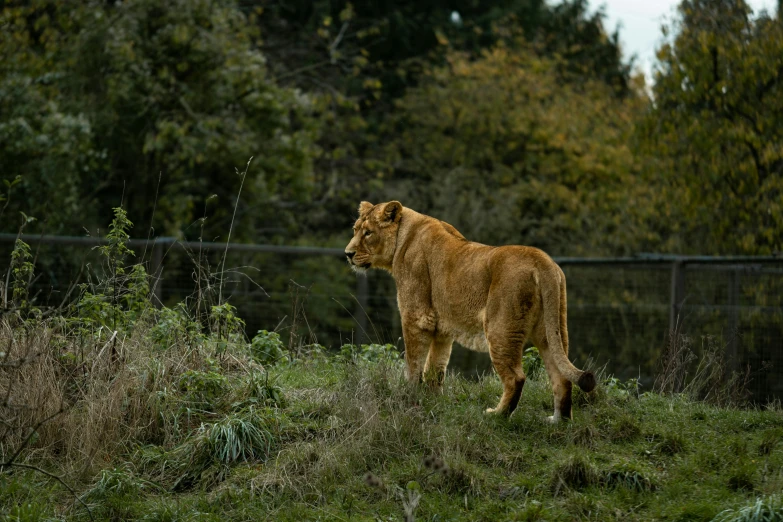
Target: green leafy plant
{"type": "Point", "coordinates": [175, 325]}
{"type": "Point", "coordinates": [369, 352]}
{"type": "Point", "coordinates": [203, 390]}
{"type": "Point", "coordinates": [623, 390]}
{"type": "Point", "coordinates": [267, 348]}
{"type": "Point", "coordinates": [227, 327]}
{"type": "Point", "coordinates": [532, 362]}
{"type": "Point", "coordinates": [120, 296]}
{"type": "Point", "coordinates": [22, 271]}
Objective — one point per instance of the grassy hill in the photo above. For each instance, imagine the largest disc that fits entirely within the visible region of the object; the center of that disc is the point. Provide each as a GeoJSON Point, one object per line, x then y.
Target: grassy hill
{"type": "Point", "coordinates": [172, 430]}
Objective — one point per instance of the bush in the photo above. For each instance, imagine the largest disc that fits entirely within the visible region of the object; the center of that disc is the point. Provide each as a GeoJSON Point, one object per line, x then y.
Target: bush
{"type": "Point", "coordinates": [267, 348]}
{"type": "Point", "coordinates": [369, 352]}
{"type": "Point", "coordinates": [203, 390]}
{"type": "Point", "coordinates": [532, 362]}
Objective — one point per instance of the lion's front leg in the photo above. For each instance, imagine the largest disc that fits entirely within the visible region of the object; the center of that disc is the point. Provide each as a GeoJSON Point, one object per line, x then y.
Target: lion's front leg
{"type": "Point", "coordinates": [418, 339]}
{"type": "Point", "coordinates": [437, 361]}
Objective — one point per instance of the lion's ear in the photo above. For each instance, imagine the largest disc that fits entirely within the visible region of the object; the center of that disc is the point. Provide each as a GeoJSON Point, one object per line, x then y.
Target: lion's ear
{"type": "Point", "coordinates": [392, 212]}
{"type": "Point", "coordinates": [365, 207]}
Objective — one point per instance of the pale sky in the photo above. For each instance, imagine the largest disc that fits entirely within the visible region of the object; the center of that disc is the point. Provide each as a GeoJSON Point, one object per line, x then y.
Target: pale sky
{"type": "Point", "coordinates": [640, 24]}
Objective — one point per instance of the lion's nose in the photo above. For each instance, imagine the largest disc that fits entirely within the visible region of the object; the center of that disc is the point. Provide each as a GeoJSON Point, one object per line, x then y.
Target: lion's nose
{"type": "Point", "coordinates": [349, 255]}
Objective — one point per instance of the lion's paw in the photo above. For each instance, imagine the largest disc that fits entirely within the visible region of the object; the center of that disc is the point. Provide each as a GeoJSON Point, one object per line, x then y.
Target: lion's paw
{"type": "Point", "coordinates": [552, 419]}
{"type": "Point", "coordinates": [490, 411]}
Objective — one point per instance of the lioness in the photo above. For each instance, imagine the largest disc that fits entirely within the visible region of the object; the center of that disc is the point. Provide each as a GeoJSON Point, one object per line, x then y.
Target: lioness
{"type": "Point", "coordinates": [486, 298]}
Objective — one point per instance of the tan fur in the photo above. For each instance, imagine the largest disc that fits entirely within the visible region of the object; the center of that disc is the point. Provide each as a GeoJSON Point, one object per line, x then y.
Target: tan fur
{"type": "Point", "coordinates": [486, 298]}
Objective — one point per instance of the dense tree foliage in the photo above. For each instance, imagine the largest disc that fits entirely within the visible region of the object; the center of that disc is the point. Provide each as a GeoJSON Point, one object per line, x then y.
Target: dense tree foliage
{"type": "Point", "coordinates": [499, 147]}
{"type": "Point", "coordinates": [714, 132]}
{"type": "Point", "coordinates": [516, 120]}
{"type": "Point", "coordinates": [141, 100]}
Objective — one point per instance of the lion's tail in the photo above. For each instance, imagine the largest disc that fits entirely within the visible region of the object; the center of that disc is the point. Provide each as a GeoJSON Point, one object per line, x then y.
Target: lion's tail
{"type": "Point", "coordinates": [554, 297]}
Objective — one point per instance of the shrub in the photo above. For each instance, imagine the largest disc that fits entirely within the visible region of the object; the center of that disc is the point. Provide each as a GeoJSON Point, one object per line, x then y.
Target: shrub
{"type": "Point", "coordinates": [532, 362]}
{"type": "Point", "coordinates": [203, 389]}
{"type": "Point", "coordinates": [369, 352]}
{"type": "Point", "coordinates": [175, 325]}
{"type": "Point", "coordinates": [267, 348]}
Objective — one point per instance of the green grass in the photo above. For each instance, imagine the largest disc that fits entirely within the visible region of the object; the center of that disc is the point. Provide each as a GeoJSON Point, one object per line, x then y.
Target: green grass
{"type": "Point", "coordinates": [352, 441]}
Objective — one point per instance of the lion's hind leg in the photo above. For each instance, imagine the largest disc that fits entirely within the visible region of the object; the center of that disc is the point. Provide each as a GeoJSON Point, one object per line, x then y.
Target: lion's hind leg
{"type": "Point", "coordinates": [505, 350]}
{"type": "Point", "coordinates": [561, 387]}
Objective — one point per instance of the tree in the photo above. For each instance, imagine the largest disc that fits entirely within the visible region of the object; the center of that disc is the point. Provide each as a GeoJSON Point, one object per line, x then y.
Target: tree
{"type": "Point", "coordinates": [167, 99]}
{"type": "Point", "coordinates": [504, 151]}
{"type": "Point", "coordinates": [713, 137]}
{"type": "Point", "coordinates": [359, 57]}
{"type": "Point", "coordinates": [44, 139]}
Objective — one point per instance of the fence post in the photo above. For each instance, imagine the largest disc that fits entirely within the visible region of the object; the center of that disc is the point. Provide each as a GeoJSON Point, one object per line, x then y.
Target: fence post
{"type": "Point", "coordinates": [677, 293]}
{"type": "Point", "coordinates": [733, 330]}
{"type": "Point", "coordinates": [156, 272]}
{"type": "Point", "coordinates": [361, 309]}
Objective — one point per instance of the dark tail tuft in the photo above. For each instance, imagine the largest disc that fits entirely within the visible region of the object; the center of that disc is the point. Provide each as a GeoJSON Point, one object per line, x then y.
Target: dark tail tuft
{"type": "Point", "coordinates": [586, 381]}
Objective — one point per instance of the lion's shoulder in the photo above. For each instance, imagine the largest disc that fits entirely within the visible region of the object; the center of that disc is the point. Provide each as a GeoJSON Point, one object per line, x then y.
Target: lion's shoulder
{"type": "Point", "coordinates": [451, 230]}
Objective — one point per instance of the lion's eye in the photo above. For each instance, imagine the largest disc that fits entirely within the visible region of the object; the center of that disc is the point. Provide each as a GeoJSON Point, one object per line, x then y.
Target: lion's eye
{"type": "Point", "coordinates": [367, 233]}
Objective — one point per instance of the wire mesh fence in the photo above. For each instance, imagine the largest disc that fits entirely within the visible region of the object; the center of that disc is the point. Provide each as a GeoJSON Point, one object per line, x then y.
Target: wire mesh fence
{"type": "Point", "coordinates": [620, 311]}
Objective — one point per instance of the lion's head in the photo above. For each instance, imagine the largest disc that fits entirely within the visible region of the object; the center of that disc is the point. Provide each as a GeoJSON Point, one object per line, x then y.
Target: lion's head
{"type": "Point", "coordinates": [374, 235]}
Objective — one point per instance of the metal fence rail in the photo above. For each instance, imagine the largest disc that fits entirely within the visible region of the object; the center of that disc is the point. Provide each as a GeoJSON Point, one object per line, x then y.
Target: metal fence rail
{"type": "Point", "coordinates": [620, 310]}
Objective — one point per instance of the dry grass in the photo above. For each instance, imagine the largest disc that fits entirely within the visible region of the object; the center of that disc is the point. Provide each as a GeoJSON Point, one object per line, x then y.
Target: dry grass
{"type": "Point", "coordinates": [107, 402]}
{"type": "Point", "coordinates": [706, 377]}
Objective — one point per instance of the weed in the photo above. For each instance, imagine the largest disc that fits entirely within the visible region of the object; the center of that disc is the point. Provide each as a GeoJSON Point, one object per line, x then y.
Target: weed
{"type": "Point", "coordinates": [248, 434]}
{"type": "Point", "coordinates": [623, 390]}
{"type": "Point", "coordinates": [585, 435]}
{"type": "Point", "coordinates": [227, 328]}
{"type": "Point", "coordinates": [674, 363]}
{"type": "Point", "coordinates": [742, 478]}
{"type": "Point", "coordinates": [258, 390]}
{"type": "Point", "coordinates": [628, 477]}
{"type": "Point", "coordinates": [768, 509]}
{"type": "Point", "coordinates": [769, 440]}
{"type": "Point", "coordinates": [174, 326]}
{"type": "Point", "coordinates": [706, 378]}
{"type": "Point", "coordinates": [532, 362]}
{"type": "Point", "coordinates": [575, 472]}
{"type": "Point", "coordinates": [203, 390]}
{"type": "Point", "coordinates": [267, 348]}
{"type": "Point", "coordinates": [369, 352]}
{"type": "Point", "coordinates": [669, 443]}
{"type": "Point", "coordinates": [22, 272]}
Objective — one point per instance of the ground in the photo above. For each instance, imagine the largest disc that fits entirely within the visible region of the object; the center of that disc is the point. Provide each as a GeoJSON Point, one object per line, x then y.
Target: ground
{"type": "Point", "coordinates": [346, 438]}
